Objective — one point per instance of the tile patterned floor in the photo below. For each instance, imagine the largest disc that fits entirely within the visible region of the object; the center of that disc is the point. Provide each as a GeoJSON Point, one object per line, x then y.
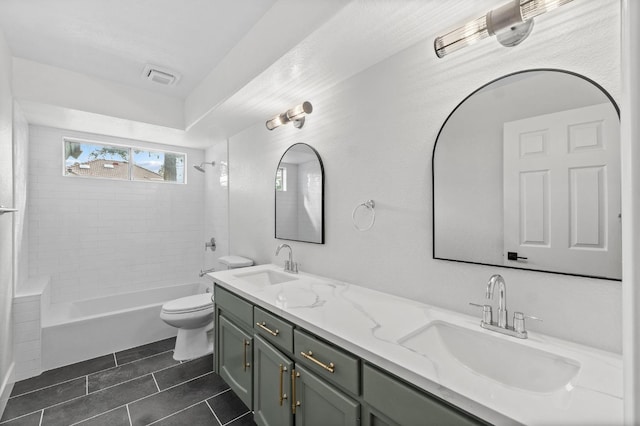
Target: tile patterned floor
{"type": "Point", "coordinates": [135, 387]}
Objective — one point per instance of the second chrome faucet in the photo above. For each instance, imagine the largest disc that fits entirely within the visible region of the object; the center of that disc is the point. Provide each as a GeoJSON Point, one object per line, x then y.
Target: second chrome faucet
{"type": "Point", "coordinates": [502, 325]}
{"type": "Point", "coordinates": [289, 265]}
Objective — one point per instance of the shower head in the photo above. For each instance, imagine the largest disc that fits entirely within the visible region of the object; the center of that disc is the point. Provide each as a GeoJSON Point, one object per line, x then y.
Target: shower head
{"type": "Point", "coordinates": [200, 167]}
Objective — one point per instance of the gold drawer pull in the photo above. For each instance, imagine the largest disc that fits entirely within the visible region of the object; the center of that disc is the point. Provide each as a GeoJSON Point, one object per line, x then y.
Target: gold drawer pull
{"type": "Point", "coordinates": [283, 395]}
{"type": "Point", "coordinates": [294, 403]}
{"type": "Point", "coordinates": [245, 364]}
{"type": "Point", "coordinates": [271, 332]}
{"type": "Point", "coordinates": [309, 355]}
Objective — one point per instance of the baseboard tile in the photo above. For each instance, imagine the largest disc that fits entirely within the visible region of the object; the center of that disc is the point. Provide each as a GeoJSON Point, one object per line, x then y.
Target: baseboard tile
{"type": "Point", "coordinates": [7, 387]}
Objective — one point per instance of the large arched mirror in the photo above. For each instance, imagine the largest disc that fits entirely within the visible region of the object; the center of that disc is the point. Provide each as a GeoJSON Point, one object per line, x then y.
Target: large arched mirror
{"type": "Point", "coordinates": [299, 188]}
{"type": "Point", "coordinates": [526, 174]}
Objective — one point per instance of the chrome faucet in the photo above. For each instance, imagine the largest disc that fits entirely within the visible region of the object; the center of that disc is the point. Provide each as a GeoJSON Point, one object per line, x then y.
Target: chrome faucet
{"type": "Point", "coordinates": [502, 297]}
{"type": "Point", "coordinates": [206, 271]}
{"type": "Point", "coordinates": [289, 265]}
{"type": "Point", "coordinates": [502, 326]}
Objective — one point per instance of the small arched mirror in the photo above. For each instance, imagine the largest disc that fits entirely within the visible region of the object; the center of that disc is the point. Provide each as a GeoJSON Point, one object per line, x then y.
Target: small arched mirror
{"type": "Point", "coordinates": [299, 193]}
{"type": "Point", "coordinates": [526, 174]}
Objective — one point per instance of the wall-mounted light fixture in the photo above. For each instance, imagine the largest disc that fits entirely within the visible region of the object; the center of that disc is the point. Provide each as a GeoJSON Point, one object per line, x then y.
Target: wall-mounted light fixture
{"type": "Point", "coordinates": [510, 23]}
{"type": "Point", "coordinates": [295, 115]}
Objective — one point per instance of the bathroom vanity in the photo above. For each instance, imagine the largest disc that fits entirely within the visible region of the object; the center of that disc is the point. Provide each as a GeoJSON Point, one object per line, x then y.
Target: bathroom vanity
{"type": "Point", "coordinates": [302, 349]}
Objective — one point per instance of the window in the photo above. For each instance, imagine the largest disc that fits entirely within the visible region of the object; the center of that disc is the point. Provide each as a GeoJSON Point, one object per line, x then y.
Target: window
{"type": "Point", "coordinates": [90, 159]}
{"type": "Point", "coordinates": [281, 179]}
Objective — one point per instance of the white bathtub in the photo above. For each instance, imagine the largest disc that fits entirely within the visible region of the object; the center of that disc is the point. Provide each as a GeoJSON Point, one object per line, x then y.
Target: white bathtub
{"type": "Point", "coordinates": [85, 329]}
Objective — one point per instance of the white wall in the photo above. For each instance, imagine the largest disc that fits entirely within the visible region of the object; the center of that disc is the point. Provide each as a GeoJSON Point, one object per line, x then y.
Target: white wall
{"type": "Point", "coordinates": [6, 225]}
{"type": "Point", "coordinates": [375, 134]}
{"type": "Point", "coordinates": [97, 236]}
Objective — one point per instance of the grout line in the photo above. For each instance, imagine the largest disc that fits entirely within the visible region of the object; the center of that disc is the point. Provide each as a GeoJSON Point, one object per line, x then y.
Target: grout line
{"type": "Point", "coordinates": [93, 393]}
{"type": "Point", "coordinates": [156, 382]}
{"type": "Point", "coordinates": [24, 415]}
{"type": "Point", "coordinates": [129, 415]}
{"type": "Point", "coordinates": [93, 372]}
{"type": "Point", "coordinates": [87, 385]}
{"type": "Point", "coordinates": [95, 415]}
{"type": "Point", "coordinates": [108, 387]}
{"type": "Point", "coordinates": [41, 417]}
{"type": "Point", "coordinates": [46, 387]}
{"type": "Point", "coordinates": [149, 396]}
{"type": "Point", "coordinates": [177, 412]}
{"type": "Point", "coordinates": [233, 420]}
{"type": "Point", "coordinates": [213, 412]}
{"type": "Point", "coordinates": [195, 378]}
{"type": "Point", "coordinates": [146, 357]}
{"type": "Point", "coordinates": [115, 359]}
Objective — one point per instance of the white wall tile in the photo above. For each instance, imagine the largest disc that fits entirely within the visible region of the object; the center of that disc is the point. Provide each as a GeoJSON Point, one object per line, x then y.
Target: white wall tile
{"type": "Point", "coordinates": [29, 350]}
{"type": "Point", "coordinates": [26, 331]}
{"type": "Point", "coordinates": [25, 312]}
{"type": "Point", "coordinates": [92, 236]}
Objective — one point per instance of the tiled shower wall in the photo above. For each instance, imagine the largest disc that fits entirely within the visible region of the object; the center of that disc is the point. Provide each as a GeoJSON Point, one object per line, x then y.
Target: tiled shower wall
{"type": "Point", "coordinates": [216, 202]}
{"type": "Point", "coordinates": [95, 237]}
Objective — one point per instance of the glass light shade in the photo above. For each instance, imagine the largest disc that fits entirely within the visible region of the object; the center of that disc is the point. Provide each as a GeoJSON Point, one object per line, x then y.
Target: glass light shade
{"type": "Point", "coordinates": [532, 8]}
{"type": "Point", "coordinates": [277, 121]}
{"type": "Point", "coordinates": [299, 111]}
{"type": "Point", "coordinates": [460, 37]}
{"type": "Point", "coordinates": [498, 19]}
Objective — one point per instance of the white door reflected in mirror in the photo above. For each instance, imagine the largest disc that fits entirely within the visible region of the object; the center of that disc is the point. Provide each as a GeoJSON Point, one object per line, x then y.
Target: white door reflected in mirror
{"type": "Point", "coordinates": [526, 174]}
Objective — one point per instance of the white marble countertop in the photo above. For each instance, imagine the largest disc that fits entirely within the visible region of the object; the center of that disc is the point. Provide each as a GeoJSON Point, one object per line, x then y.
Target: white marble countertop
{"type": "Point", "coordinates": [372, 325]}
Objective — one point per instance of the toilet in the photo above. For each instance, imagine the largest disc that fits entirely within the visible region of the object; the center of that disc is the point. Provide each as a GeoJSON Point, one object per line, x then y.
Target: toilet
{"type": "Point", "coordinates": [193, 317]}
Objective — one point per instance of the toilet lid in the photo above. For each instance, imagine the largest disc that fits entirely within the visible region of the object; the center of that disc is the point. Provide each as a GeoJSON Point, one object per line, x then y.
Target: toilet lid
{"type": "Point", "coordinates": [235, 261]}
{"type": "Point", "coordinates": [197, 302]}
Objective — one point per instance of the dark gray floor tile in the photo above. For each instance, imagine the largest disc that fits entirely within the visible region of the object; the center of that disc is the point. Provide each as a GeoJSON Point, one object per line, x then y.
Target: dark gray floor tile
{"type": "Point", "coordinates": [99, 402]}
{"type": "Point", "coordinates": [117, 417]}
{"type": "Point", "coordinates": [144, 351]}
{"type": "Point", "coordinates": [195, 416]}
{"type": "Point", "coordinates": [175, 399]}
{"type": "Point", "coordinates": [227, 406]}
{"type": "Point", "coordinates": [131, 370]}
{"type": "Point", "coordinates": [246, 420]}
{"type": "Point", "coordinates": [37, 400]}
{"type": "Point", "coordinates": [184, 372]}
{"type": "Point", "coordinates": [32, 419]}
{"type": "Point", "coordinates": [63, 374]}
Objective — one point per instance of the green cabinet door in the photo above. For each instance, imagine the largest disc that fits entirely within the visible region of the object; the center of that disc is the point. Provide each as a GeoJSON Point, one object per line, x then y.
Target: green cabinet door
{"type": "Point", "coordinates": [271, 385]}
{"type": "Point", "coordinates": [371, 417]}
{"type": "Point", "coordinates": [391, 401]}
{"type": "Point", "coordinates": [321, 404]}
{"type": "Point", "coordinates": [234, 355]}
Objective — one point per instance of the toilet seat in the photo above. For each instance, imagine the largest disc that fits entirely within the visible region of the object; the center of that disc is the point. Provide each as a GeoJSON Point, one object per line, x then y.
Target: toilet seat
{"type": "Point", "coordinates": [183, 305]}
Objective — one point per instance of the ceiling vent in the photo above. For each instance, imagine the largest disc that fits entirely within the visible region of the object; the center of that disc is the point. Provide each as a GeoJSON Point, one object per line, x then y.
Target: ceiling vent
{"type": "Point", "coordinates": [160, 75]}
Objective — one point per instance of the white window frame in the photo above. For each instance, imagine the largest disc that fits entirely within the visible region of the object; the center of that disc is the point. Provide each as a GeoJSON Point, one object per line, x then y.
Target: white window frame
{"type": "Point", "coordinates": [130, 161]}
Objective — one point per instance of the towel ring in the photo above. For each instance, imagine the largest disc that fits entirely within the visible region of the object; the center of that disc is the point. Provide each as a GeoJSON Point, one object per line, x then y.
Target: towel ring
{"type": "Point", "coordinates": [369, 205]}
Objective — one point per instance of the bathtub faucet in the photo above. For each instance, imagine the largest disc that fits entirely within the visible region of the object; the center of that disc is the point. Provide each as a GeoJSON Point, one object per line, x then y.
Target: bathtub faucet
{"type": "Point", "coordinates": [206, 271]}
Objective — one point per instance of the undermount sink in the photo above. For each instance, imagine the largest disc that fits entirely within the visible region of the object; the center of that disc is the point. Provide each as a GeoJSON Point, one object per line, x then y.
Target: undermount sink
{"type": "Point", "coordinates": [267, 277]}
{"type": "Point", "coordinates": [508, 362]}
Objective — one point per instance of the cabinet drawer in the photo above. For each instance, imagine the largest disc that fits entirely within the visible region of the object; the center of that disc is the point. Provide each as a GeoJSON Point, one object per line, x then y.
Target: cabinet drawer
{"type": "Point", "coordinates": [321, 358]}
{"type": "Point", "coordinates": [405, 405]}
{"type": "Point", "coordinates": [233, 305]}
{"type": "Point", "coordinates": [274, 329]}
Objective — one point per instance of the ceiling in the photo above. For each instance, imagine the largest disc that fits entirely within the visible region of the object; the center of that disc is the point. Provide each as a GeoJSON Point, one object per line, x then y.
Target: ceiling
{"type": "Point", "coordinates": [115, 39]}
{"type": "Point", "coordinates": [240, 61]}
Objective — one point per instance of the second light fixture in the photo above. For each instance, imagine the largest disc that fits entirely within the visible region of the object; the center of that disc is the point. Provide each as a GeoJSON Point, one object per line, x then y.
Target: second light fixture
{"type": "Point", "coordinates": [295, 115]}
